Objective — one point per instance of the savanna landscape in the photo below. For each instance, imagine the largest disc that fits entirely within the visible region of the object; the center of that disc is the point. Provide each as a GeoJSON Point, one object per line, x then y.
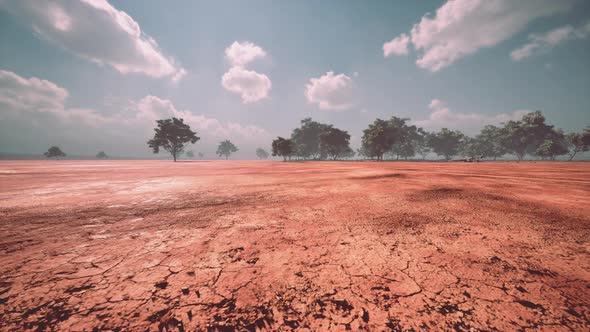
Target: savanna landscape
{"type": "Point", "coordinates": [262, 165]}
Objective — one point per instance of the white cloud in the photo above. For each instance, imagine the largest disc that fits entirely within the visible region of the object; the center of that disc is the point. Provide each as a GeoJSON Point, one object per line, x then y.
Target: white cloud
{"type": "Point", "coordinates": [550, 39]}
{"type": "Point", "coordinates": [397, 46]}
{"type": "Point", "coordinates": [462, 27]}
{"type": "Point", "coordinates": [330, 92]}
{"type": "Point", "coordinates": [40, 107]}
{"type": "Point", "coordinates": [95, 30]}
{"type": "Point", "coordinates": [35, 95]}
{"type": "Point", "coordinates": [249, 84]}
{"type": "Point", "coordinates": [442, 116]}
{"type": "Point", "coordinates": [242, 53]}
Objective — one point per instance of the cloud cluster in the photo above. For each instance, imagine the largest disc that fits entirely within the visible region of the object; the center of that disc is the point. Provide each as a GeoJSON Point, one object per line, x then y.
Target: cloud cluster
{"type": "Point", "coordinates": [545, 42]}
{"type": "Point", "coordinates": [442, 116]}
{"type": "Point", "coordinates": [462, 27]}
{"type": "Point", "coordinates": [27, 97]}
{"type": "Point", "coordinates": [330, 92]}
{"type": "Point", "coordinates": [25, 100]}
{"type": "Point", "coordinates": [95, 30]}
{"type": "Point", "coordinates": [249, 84]}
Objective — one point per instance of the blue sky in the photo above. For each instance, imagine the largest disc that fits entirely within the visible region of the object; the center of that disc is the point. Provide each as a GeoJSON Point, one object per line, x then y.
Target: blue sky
{"type": "Point", "coordinates": [74, 73]}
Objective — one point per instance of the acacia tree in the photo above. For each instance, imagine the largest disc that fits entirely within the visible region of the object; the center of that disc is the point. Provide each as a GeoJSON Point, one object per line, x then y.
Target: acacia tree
{"type": "Point", "coordinates": [54, 152]}
{"type": "Point", "coordinates": [334, 143]}
{"type": "Point", "coordinates": [578, 142]}
{"type": "Point", "coordinates": [261, 153]}
{"type": "Point", "coordinates": [226, 148]}
{"type": "Point", "coordinates": [190, 154]}
{"type": "Point", "coordinates": [283, 147]}
{"type": "Point", "coordinates": [172, 135]}
{"type": "Point", "coordinates": [201, 155]}
{"type": "Point", "coordinates": [101, 155]}
{"type": "Point", "coordinates": [446, 142]}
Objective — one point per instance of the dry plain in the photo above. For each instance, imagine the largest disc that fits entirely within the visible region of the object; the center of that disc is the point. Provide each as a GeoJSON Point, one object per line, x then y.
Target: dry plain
{"type": "Point", "coordinates": [310, 246]}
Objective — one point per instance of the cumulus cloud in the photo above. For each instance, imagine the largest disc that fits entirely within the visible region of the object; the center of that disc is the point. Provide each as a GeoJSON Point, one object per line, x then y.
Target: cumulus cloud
{"type": "Point", "coordinates": [330, 92]}
{"type": "Point", "coordinates": [152, 108]}
{"type": "Point", "coordinates": [442, 116]}
{"type": "Point", "coordinates": [249, 84]}
{"type": "Point", "coordinates": [462, 27]}
{"type": "Point", "coordinates": [397, 46]}
{"type": "Point", "coordinates": [550, 39]}
{"type": "Point", "coordinates": [35, 95]}
{"type": "Point", "coordinates": [34, 102]}
{"type": "Point", "coordinates": [95, 30]}
{"type": "Point", "coordinates": [242, 53]}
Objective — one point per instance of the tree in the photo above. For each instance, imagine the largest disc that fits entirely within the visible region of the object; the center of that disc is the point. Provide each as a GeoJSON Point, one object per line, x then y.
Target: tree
{"type": "Point", "coordinates": [348, 153]}
{"type": "Point", "coordinates": [172, 135]}
{"type": "Point", "coordinates": [283, 147]}
{"type": "Point", "coordinates": [54, 152]}
{"type": "Point", "coordinates": [377, 139]}
{"type": "Point", "coordinates": [261, 153]}
{"type": "Point", "coordinates": [549, 149]}
{"type": "Point", "coordinates": [403, 138]}
{"type": "Point", "coordinates": [307, 138]}
{"type": "Point", "coordinates": [190, 154]}
{"type": "Point", "coordinates": [555, 144]}
{"type": "Point", "coordinates": [226, 148]}
{"type": "Point", "coordinates": [471, 147]}
{"type": "Point", "coordinates": [527, 135]}
{"type": "Point", "coordinates": [201, 155]}
{"type": "Point", "coordinates": [421, 146]}
{"type": "Point", "coordinates": [514, 138]}
{"type": "Point", "coordinates": [446, 142]}
{"type": "Point", "coordinates": [101, 155]}
{"type": "Point", "coordinates": [578, 142]}
{"type": "Point", "coordinates": [334, 143]}
{"type": "Point", "coordinates": [490, 142]}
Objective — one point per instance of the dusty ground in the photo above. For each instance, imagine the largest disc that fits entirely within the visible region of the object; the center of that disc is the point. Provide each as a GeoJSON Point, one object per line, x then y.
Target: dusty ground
{"type": "Point", "coordinates": [136, 245]}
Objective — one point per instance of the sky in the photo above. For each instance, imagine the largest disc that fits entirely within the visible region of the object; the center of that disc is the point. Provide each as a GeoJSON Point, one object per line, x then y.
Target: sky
{"type": "Point", "coordinates": [93, 75]}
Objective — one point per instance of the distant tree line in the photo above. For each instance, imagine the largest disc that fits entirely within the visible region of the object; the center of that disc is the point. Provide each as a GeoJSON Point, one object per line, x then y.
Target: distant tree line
{"type": "Point", "coordinates": [396, 138]}
{"type": "Point", "coordinates": [388, 139]}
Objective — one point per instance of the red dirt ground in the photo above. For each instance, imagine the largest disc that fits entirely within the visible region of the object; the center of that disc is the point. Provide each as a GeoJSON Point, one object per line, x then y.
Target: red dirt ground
{"type": "Point", "coordinates": [244, 245]}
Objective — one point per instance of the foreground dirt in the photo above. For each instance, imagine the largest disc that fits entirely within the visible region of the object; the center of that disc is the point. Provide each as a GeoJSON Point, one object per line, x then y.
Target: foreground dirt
{"type": "Point", "coordinates": [138, 245]}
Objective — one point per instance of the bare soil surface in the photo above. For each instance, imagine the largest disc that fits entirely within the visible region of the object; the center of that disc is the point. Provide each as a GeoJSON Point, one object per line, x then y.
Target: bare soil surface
{"type": "Point", "coordinates": [310, 246]}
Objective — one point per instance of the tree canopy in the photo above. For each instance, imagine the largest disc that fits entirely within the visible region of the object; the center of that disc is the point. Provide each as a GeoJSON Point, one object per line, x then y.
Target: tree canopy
{"type": "Point", "coordinates": [578, 142]}
{"type": "Point", "coordinates": [446, 142]}
{"type": "Point", "coordinates": [226, 148]}
{"type": "Point", "coordinates": [261, 153]}
{"type": "Point", "coordinates": [54, 152]}
{"type": "Point", "coordinates": [101, 155]}
{"type": "Point", "coordinates": [172, 135]}
{"type": "Point", "coordinates": [334, 143]}
{"type": "Point", "coordinates": [283, 147]}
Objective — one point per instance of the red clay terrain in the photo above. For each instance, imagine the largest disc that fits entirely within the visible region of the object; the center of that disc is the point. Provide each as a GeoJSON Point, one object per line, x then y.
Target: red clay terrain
{"type": "Point", "coordinates": [309, 246]}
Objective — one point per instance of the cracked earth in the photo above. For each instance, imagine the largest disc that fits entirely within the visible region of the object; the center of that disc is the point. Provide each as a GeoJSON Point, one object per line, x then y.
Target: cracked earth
{"type": "Point", "coordinates": [251, 246]}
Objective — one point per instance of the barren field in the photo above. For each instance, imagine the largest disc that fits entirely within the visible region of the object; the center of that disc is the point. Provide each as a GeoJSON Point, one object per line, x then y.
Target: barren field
{"type": "Point", "coordinates": [246, 245]}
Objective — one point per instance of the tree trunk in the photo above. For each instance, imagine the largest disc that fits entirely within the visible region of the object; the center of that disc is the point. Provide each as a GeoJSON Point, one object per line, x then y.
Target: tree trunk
{"type": "Point", "coordinates": [572, 155]}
